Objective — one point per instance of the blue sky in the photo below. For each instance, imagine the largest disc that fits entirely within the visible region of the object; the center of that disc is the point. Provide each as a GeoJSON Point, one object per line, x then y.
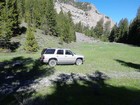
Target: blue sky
{"type": "Point", "coordinates": [117, 9]}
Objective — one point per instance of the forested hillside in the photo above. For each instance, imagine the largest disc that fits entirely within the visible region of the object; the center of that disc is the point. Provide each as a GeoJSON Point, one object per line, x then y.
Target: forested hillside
{"type": "Point", "coordinates": [40, 14]}
{"type": "Point", "coordinates": [37, 14]}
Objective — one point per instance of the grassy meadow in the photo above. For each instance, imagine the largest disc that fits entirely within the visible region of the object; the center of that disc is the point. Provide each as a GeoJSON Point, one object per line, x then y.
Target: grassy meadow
{"type": "Point", "coordinates": [119, 62]}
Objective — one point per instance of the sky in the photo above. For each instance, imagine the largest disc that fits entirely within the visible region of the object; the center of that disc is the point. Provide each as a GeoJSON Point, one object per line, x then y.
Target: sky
{"type": "Point", "coordinates": [117, 9]}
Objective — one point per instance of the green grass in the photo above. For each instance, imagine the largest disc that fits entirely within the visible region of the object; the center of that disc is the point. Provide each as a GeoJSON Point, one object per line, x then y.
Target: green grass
{"type": "Point", "coordinates": [121, 63]}
{"type": "Point", "coordinates": [104, 57]}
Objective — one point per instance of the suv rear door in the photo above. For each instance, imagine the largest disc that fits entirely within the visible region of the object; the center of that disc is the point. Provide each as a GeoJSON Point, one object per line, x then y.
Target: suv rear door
{"type": "Point", "coordinates": [60, 56]}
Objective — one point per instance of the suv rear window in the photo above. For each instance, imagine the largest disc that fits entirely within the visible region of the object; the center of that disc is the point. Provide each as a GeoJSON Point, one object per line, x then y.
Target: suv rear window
{"type": "Point", "coordinates": [49, 51]}
{"type": "Point", "coordinates": [60, 52]}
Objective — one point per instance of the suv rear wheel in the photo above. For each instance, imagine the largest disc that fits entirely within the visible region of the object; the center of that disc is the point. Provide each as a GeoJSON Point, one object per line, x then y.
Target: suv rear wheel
{"type": "Point", "coordinates": [52, 62]}
{"type": "Point", "coordinates": [79, 61]}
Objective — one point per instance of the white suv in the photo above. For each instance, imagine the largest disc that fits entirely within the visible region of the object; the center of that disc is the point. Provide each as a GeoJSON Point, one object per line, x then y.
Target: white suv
{"type": "Point", "coordinates": [54, 56]}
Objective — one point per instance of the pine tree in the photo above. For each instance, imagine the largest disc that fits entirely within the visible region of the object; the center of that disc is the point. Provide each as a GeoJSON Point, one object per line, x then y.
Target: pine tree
{"type": "Point", "coordinates": [31, 44]}
{"type": "Point", "coordinates": [107, 27]}
{"type": "Point", "coordinates": [29, 11]}
{"type": "Point", "coordinates": [138, 13]}
{"type": "Point", "coordinates": [79, 27]}
{"type": "Point", "coordinates": [15, 17]}
{"type": "Point", "coordinates": [72, 36]}
{"type": "Point", "coordinates": [37, 13]}
{"type": "Point", "coordinates": [123, 30]}
{"type": "Point", "coordinates": [134, 30]}
{"type": "Point", "coordinates": [99, 28]}
{"type": "Point", "coordinates": [5, 22]}
{"type": "Point", "coordinates": [106, 31]}
{"type": "Point", "coordinates": [113, 33]}
{"type": "Point", "coordinates": [63, 27]}
{"type": "Point", "coordinates": [51, 21]}
{"type": "Point", "coordinates": [22, 8]}
{"type": "Point", "coordinates": [59, 19]}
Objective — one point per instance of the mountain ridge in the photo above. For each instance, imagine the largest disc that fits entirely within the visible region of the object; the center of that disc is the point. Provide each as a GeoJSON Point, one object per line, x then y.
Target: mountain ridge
{"type": "Point", "coordinates": [83, 12]}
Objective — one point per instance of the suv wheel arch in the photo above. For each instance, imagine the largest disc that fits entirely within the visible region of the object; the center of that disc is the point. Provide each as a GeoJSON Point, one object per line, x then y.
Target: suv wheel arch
{"type": "Point", "coordinates": [79, 61]}
{"type": "Point", "coordinates": [52, 62]}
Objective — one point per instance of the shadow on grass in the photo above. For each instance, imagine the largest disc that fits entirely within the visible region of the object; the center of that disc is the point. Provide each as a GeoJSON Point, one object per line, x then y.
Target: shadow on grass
{"type": "Point", "coordinates": [73, 89]}
{"type": "Point", "coordinates": [129, 64]}
{"type": "Point", "coordinates": [17, 75]}
{"type": "Point", "coordinates": [10, 46]}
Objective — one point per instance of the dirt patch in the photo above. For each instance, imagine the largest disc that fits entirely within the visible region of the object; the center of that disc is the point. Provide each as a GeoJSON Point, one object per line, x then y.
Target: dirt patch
{"type": "Point", "coordinates": [83, 38]}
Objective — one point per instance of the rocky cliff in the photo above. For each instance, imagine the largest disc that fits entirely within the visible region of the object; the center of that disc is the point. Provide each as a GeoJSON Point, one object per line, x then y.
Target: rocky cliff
{"type": "Point", "coordinates": [81, 11]}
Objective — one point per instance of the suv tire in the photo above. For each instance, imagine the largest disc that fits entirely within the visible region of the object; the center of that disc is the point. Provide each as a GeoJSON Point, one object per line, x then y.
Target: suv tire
{"type": "Point", "coordinates": [52, 62]}
{"type": "Point", "coordinates": [79, 61]}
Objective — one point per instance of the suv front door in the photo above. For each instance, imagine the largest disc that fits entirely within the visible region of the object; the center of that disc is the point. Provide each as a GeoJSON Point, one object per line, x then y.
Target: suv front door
{"type": "Point", "coordinates": [69, 57]}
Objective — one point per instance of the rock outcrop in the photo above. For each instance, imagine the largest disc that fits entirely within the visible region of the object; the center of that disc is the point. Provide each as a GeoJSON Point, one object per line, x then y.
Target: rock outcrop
{"type": "Point", "coordinates": [88, 17]}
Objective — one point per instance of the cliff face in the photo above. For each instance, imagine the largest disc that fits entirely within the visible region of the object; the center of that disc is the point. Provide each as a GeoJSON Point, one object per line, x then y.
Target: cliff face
{"type": "Point", "coordinates": [84, 12]}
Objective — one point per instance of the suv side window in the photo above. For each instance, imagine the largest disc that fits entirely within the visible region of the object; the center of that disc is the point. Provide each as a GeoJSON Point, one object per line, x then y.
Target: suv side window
{"type": "Point", "coordinates": [60, 52]}
{"type": "Point", "coordinates": [50, 51]}
{"type": "Point", "coordinates": [68, 52]}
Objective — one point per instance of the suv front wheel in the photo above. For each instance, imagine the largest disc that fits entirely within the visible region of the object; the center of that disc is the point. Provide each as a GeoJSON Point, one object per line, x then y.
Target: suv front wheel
{"type": "Point", "coordinates": [79, 61]}
{"type": "Point", "coordinates": [52, 62]}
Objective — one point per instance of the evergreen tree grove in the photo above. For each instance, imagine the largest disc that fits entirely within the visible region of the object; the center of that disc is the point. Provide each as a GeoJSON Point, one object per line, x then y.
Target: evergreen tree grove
{"type": "Point", "coordinates": [125, 33]}
{"type": "Point", "coordinates": [119, 32]}
{"type": "Point", "coordinates": [65, 27]}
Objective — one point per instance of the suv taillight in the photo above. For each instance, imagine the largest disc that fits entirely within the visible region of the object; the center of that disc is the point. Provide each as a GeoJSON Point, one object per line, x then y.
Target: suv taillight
{"type": "Point", "coordinates": [42, 57]}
